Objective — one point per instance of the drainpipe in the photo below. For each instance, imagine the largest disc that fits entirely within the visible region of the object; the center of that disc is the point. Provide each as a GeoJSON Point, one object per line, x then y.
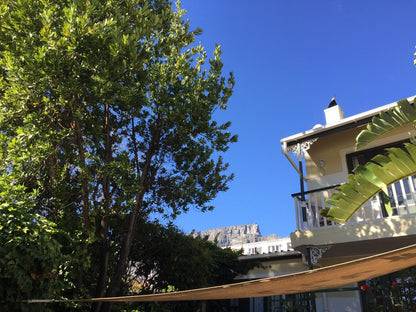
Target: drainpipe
{"type": "Point", "coordinates": [312, 306]}
{"type": "Point", "coordinates": [302, 178]}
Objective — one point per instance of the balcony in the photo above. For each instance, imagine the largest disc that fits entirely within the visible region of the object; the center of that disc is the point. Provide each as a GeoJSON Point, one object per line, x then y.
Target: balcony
{"type": "Point", "coordinates": [402, 198]}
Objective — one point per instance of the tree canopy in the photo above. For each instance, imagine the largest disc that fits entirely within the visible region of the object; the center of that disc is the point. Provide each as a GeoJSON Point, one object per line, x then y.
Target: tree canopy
{"type": "Point", "coordinates": [106, 114]}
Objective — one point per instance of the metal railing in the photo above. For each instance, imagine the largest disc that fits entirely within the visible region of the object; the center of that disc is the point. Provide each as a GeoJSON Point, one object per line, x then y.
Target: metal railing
{"type": "Point", "coordinates": [402, 199]}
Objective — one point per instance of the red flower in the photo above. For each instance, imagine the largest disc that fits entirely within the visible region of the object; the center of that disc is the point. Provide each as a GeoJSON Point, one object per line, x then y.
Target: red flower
{"type": "Point", "coordinates": [394, 283]}
{"type": "Point", "coordinates": [365, 287]}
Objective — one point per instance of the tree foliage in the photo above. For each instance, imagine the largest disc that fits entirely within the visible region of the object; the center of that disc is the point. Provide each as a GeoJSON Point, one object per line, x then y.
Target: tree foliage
{"type": "Point", "coordinates": [29, 254]}
{"type": "Point", "coordinates": [106, 113]}
{"type": "Point", "coordinates": [164, 258]}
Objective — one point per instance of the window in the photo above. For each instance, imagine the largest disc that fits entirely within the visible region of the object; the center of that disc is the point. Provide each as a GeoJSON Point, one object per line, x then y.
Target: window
{"type": "Point", "coordinates": [361, 157]}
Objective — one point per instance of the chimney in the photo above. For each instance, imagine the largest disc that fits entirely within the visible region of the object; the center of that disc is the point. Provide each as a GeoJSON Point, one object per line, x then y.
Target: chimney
{"type": "Point", "coordinates": [333, 113]}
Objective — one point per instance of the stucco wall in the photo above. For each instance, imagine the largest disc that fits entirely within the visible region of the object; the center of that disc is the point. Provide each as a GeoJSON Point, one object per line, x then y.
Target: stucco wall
{"type": "Point", "coordinates": [384, 228]}
{"type": "Point", "coordinates": [326, 159]}
{"type": "Point", "coordinates": [328, 149]}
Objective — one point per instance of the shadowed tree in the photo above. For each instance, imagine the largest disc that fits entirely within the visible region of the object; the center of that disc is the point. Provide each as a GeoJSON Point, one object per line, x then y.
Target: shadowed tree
{"type": "Point", "coordinates": [164, 258]}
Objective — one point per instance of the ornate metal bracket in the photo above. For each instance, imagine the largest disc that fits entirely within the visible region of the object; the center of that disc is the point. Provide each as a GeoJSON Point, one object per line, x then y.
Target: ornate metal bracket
{"type": "Point", "coordinates": [304, 146]}
{"type": "Point", "coordinates": [315, 253]}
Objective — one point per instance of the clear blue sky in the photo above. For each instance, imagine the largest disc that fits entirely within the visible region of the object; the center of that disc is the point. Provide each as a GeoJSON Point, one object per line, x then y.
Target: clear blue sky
{"type": "Point", "coordinates": [289, 58]}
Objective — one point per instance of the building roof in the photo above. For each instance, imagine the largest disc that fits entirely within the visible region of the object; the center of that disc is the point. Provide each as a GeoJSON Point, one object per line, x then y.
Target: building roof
{"type": "Point", "coordinates": [343, 124]}
{"type": "Point", "coordinates": [271, 256]}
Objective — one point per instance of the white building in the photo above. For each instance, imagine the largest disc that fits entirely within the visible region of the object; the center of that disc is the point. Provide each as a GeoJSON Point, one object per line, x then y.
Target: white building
{"type": "Point", "coordinates": [265, 246]}
{"type": "Point", "coordinates": [323, 157]}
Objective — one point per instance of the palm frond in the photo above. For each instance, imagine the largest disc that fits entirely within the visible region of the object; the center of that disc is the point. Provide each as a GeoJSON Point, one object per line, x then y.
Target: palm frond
{"type": "Point", "coordinates": [371, 179]}
{"type": "Point", "coordinates": [404, 113]}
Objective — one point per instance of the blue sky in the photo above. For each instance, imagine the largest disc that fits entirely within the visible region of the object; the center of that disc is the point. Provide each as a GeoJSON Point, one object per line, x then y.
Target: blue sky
{"type": "Point", "coordinates": [289, 58]}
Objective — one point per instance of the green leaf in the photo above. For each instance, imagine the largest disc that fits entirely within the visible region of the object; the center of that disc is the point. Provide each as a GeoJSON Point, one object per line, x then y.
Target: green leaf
{"type": "Point", "coordinates": [370, 180]}
{"type": "Point", "coordinates": [404, 113]}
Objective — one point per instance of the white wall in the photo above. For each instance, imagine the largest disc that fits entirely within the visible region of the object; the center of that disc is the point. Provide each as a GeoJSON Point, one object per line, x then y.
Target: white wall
{"type": "Point", "coordinates": [264, 247]}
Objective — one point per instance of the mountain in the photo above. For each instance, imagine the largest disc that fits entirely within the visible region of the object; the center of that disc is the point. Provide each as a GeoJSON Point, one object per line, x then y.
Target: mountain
{"type": "Point", "coordinates": [234, 235]}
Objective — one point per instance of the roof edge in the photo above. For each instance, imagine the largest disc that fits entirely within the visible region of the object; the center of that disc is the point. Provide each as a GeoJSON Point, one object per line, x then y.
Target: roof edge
{"type": "Point", "coordinates": [348, 122]}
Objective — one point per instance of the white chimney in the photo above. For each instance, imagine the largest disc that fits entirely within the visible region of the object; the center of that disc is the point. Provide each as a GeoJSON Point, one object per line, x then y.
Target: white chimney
{"type": "Point", "coordinates": [333, 113]}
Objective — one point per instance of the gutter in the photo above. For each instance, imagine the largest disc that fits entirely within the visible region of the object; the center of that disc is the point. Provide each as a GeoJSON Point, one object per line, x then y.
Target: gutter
{"type": "Point", "coordinates": [349, 122]}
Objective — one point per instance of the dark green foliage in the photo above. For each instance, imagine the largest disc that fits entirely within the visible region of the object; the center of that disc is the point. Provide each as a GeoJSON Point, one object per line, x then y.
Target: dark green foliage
{"type": "Point", "coordinates": [165, 258]}
{"type": "Point", "coordinates": [181, 261]}
{"type": "Point", "coordinates": [29, 254]}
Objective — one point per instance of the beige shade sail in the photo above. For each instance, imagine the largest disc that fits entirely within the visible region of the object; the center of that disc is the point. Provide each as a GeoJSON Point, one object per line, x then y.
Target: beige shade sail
{"type": "Point", "coordinates": [318, 279]}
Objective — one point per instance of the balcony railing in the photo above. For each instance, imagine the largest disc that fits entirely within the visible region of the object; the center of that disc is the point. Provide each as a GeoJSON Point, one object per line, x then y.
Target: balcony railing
{"type": "Point", "coordinates": [402, 198]}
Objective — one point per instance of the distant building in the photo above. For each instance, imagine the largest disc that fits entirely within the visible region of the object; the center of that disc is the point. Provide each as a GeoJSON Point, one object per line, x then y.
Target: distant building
{"type": "Point", "coordinates": [269, 245]}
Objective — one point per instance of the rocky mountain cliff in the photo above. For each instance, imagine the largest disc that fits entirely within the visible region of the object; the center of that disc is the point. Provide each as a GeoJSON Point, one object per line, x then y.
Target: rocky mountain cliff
{"type": "Point", "coordinates": [233, 235]}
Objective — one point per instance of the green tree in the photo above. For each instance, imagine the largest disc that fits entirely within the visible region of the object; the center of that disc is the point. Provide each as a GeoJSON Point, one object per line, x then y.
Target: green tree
{"type": "Point", "coordinates": [29, 253]}
{"type": "Point", "coordinates": [106, 112]}
{"type": "Point", "coordinates": [163, 258]}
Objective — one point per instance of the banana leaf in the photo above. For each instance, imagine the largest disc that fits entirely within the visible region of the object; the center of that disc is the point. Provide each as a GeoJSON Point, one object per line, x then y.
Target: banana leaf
{"type": "Point", "coordinates": [371, 179]}
{"type": "Point", "coordinates": [404, 113]}
{"type": "Point", "coordinates": [374, 177]}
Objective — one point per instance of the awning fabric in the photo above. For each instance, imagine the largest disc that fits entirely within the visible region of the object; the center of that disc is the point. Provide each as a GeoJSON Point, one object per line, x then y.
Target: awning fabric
{"type": "Point", "coordinates": [318, 279]}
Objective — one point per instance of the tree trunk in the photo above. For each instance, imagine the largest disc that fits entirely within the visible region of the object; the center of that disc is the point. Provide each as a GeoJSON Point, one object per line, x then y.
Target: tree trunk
{"type": "Point", "coordinates": [79, 141]}
{"type": "Point", "coordinates": [120, 270]}
{"type": "Point", "coordinates": [104, 224]}
{"type": "Point", "coordinates": [84, 179]}
{"type": "Point", "coordinates": [52, 164]}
